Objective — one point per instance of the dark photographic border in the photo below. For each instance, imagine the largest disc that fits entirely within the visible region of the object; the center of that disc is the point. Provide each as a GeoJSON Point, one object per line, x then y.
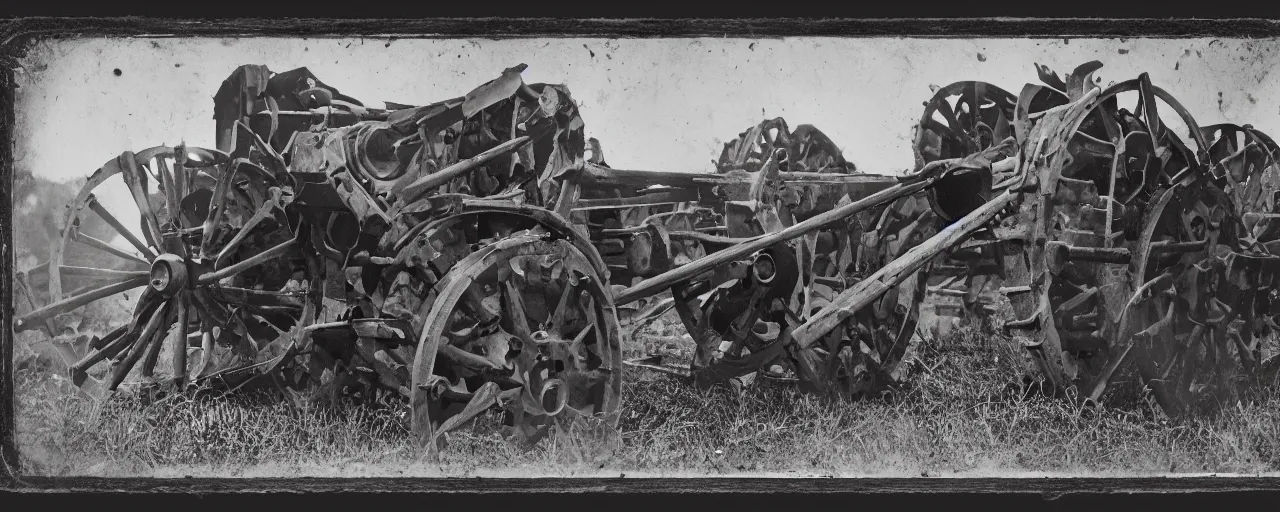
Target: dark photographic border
{"type": "Point", "coordinates": [17, 37]}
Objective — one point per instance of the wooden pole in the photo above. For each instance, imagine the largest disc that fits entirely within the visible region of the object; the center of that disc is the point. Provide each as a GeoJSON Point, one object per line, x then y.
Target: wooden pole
{"type": "Point", "coordinates": [867, 290]}
{"type": "Point", "coordinates": [657, 284]}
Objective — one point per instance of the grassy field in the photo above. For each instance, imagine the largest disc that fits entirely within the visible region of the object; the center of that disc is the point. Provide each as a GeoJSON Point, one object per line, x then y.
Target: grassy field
{"type": "Point", "coordinates": [962, 411]}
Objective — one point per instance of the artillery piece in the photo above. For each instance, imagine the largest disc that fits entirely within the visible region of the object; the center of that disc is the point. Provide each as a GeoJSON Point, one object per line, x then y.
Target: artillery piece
{"type": "Point", "coordinates": [1114, 242]}
{"type": "Point", "coordinates": [1127, 244]}
{"type": "Point", "coordinates": [464, 254]}
{"type": "Point", "coordinates": [721, 255]}
{"type": "Point", "coordinates": [741, 305]}
{"type": "Point", "coordinates": [323, 242]}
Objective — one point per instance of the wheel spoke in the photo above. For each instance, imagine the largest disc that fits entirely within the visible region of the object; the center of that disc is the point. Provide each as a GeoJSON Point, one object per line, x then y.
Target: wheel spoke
{"type": "Point", "coordinates": [114, 223]}
{"type": "Point", "coordinates": [180, 343]}
{"type": "Point", "coordinates": [1152, 116]}
{"type": "Point", "coordinates": [39, 274]}
{"type": "Point", "coordinates": [257, 298]}
{"type": "Point", "coordinates": [170, 311]}
{"type": "Point", "coordinates": [148, 301]}
{"type": "Point", "coordinates": [23, 287]}
{"type": "Point", "coordinates": [258, 259]}
{"type": "Point", "coordinates": [145, 339]}
{"type": "Point", "coordinates": [137, 182]}
{"type": "Point", "coordinates": [79, 370]}
{"type": "Point", "coordinates": [94, 285]}
{"type": "Point", "coordinates": [944, 108]}
{"type": "Point", "coordinates": [206, 353]}
{"type": "Point", "coordinates": [173, 201]}
{"type": "Point", "coordinates": [211, 311]}
{"type": "Point", "coordinates": [556, 323]}
{"type": "Point", "coordinates": [593, 326]}
{"type": "Point", "coordinates": [180, 174]}
{"type": "Point", "coordinates": [89, 241]}
{"type": "Point", "coordinates": [216, 203]}
{"type": "Point", "coordinates": [577, 347]}
{"type": "Point", "coordinates": [975, 107]}
{"type": "Point", "coordinates": [515, 311]}
{"type": "Point", "coordinates": [941, 130]}
{"type": "Point", "coordinates": [40, 315]}
{"type": "Point", "coordinates": [101, 273]}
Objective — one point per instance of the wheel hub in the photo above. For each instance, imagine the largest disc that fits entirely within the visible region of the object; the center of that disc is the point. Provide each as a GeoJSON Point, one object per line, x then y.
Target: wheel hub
{"type": "Point", "coordinates": [168, 274]}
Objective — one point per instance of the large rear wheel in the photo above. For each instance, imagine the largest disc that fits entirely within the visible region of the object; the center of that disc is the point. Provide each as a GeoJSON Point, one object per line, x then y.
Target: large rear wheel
{"type": "Point", "coordinates": [525, 322]}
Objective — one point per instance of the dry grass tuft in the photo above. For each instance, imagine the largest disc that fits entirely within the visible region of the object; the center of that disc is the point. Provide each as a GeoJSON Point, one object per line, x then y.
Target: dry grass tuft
{"type": "Point", "coordinates": [963, 410]}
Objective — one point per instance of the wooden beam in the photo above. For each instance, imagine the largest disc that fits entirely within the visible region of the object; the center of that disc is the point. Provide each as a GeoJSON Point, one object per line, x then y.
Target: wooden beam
{"type": "Point", "coordinates": [657, 284]}
{"type": "Point", "coordinates": [871, 288]}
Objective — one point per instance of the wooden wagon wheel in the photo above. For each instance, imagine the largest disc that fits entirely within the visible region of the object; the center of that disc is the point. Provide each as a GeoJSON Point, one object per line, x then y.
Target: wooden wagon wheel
{"type": "Point", "coordinates": [1246, 163]}
{"type": "Point", "coordinates": [1243, 161]}
{"type": "Point", "coordinates": [1108, 167]}
{"type": "Point", "coordinates": [1182, 333]}
{"type": "Point", "coordinates": [752, 147]}
{"type": "Point", "coordinates": [525, 322]}
{"type": "Point", "coordinates": [960, 120]}
{"type": "Point", "coordinates": [861, 358]}
{"type": "Point", "coordinates": [810, 149]}
{"type": "Point", "coordinates": [219, 272]}
{"type": "Point", "coordinates": [743, 324]}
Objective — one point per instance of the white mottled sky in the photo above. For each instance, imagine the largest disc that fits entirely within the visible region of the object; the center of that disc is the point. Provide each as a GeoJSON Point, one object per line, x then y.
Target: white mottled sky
{"type": "Point", "coordinates": [660, 104]}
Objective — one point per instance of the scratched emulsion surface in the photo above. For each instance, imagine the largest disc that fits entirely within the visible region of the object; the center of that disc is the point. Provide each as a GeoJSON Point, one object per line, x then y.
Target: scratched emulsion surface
{"type": "Point", "coordinates": [657, 104]}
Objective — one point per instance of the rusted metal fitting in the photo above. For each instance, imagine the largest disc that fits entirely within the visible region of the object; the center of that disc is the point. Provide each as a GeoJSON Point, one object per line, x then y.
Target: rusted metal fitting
{"type": "Point", "coordinates": [763, 268]}
{"type": "Point", "coordinates": [561, 396]}
{"type": "Point", "coordinates": [168, 274]}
